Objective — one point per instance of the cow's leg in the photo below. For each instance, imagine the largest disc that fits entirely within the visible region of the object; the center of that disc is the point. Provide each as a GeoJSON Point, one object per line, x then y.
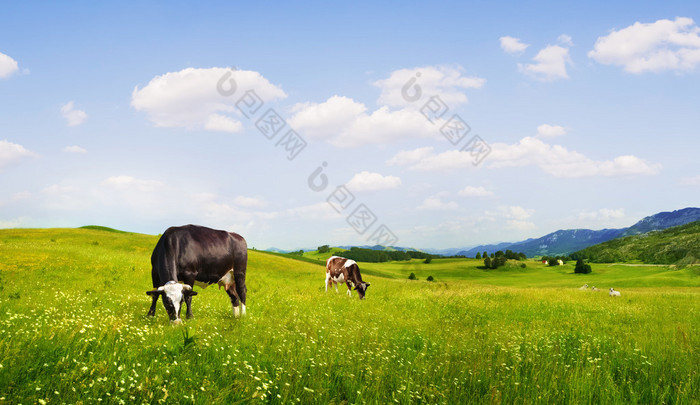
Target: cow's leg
{"type": "Point", "coordinates": [349, 288]}
{"type": "Point", "coordinates": [152, 311]}
{"type": "Point", "coordinates": [328, 280]}
{"type": "Point", "coordinates": [335, 283]}
{"type": "Point", "coordinates": [239, 270]}
{"type": "Point", "coordinates": [188, 301]}
{"type": "Point", "coordinates": [235, 301]}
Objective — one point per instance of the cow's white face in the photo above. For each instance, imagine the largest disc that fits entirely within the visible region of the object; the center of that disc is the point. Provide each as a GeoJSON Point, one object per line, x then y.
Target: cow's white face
{"type": "Point", "coordinates": [173, 295]}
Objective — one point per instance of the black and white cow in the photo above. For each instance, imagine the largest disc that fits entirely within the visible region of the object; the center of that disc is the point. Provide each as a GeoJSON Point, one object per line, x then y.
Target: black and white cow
{"type": "Point", "coordinates": [191, 254]}
{"type": "Point", "coordinates": [339, 270]}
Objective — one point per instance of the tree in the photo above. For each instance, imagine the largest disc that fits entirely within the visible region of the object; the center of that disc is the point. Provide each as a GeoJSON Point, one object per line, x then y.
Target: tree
{"type": "Point", "coordinates": [412, 276]}
{"type": "Point", "coordinates": [478, 255]}
{"type": "Point", "coordinates": [582, 267]}
{"type": "Point", "coordinates": [430, 278]}
{"type": "Point", "coordinates": [487, 262]}
{"type": "Point", "coordinates": [428, 260]}
{"type": "Point", "coordinates": [324, 249]}
{"type": "Point", "coordinates": [484, 255]}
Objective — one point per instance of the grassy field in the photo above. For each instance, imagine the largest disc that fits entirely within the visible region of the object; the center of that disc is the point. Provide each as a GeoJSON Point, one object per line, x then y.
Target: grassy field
{"type": "Point", "coordinates": [73, 330]}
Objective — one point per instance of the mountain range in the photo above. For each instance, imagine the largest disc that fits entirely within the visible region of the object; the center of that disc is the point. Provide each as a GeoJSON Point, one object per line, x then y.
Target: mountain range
{"type": "Point", "coordinates": [570, 240]}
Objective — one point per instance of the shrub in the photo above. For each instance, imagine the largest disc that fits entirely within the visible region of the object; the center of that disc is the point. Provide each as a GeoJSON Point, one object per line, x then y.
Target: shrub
{"type": "Point", "coordinates": [412, 276]}
{"type": "Point", "coordinates": [430, 278]}
{"type": "Point", "coordinates": [582, 267]}
{"type": "Point", "coordinates": [428, 260]}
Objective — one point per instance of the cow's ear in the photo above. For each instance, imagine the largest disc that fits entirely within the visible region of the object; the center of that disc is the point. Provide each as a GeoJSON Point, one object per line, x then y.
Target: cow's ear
{"type": "Point", "coordinates": [367, 285]}
{"type": "Point", "coordinates": [189, 293]}
{"type": "Point", "coordinates": [154, 292]}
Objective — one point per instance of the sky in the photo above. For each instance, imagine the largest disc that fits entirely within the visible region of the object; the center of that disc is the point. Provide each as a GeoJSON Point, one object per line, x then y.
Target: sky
{"type": "Point", "coordinates": [299, 124]}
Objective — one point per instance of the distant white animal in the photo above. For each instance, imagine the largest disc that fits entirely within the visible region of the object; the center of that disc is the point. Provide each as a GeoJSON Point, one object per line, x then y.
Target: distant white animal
{"type": "Point", "coordinates": [594, 288]}
{"type": "Point", "coordinates": [561, 262]}
{"type": "Point", "coordinates": [585, 286]}
{"type": "Point", "coordinates": [614, 293]}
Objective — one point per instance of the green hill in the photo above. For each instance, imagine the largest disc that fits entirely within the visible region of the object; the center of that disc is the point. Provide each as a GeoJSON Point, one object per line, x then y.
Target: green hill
{"type": "Point", "coordinates": [73, 330]}
{"type": "Point", "coordinates": [678, 245]}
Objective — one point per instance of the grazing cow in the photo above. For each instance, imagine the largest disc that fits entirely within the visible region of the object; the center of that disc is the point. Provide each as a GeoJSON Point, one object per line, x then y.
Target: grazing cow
{"type": "Point", "coordinates": [339, 270]}
{"type": "Point", "coordinates": [613, 293]}
{"type": "Point", "coordinates": [192, 255]}
{"type": "Point", "coordinates": [594, 288]}
{"type": "Point", "coordinates": [584, 287]}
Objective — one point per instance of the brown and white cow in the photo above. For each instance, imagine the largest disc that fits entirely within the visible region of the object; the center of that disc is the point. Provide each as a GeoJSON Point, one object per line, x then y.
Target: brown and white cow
{"type": "Point", "coordinates": [339, 270]}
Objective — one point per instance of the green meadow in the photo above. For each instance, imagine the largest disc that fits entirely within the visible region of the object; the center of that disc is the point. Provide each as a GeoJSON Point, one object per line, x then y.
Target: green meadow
{"type": "Point", "coordinates": [73, 330]}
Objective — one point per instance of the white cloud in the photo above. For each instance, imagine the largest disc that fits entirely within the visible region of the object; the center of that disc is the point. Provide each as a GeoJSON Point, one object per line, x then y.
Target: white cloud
{"type": "Point", "coordinates": [516, 212]}
{"type": "Point", "coordinates": [690, 181]}
{"type": "Point", "coordinates": [74, 149]}
{"type": "Point", "coordinates": [367, 181]}
{"type": "Point", "coordinates": [73, 117]}
{"type": "Point", "coordinates": [516, 217]}
{"type": "Point", "coordinates": [512, 45]}
{"type": "Point", "coordinates": [222, 123]}
{"type": "Point", "coordinates": [190, 99]}
{"type": "Point", "coordinates": [520, 225]}
{"type": "Point", "coordinates": [550, 131]}
{"type": "Point", "coordinates": [565, 40]}
{"type": "Point", "coordinates": [558, 161]}
{"type": "Point", "coordinates": [446, 82]}
{"type": "Point", "coordinates": [602, 214]}
{"type": "Point", "coordinates": [19, 196]}
{"type": "Point", "coordinates": [345, 124]}
{"type": "Point", "coordinates": [133, 184]}
{"type": "Point", "coordinates": [324, 120]}
{"type": "Point", "coordinates": [651, 47]}
{"type": "Point", "coordinates": [550, 64]}
{"type": "Point", "coordinates": [250, 202]}
{"type": "Point", "coordinates": [471, 191]}
{"type": "Point", "coordinates": [410, 157]}
{"type": "Point", "coordinates": [435, 203]}
{"type": "Point", "coordinates": [555, 160]}
{"type": "Point", "coordinates": [11, 153]}
{"type": "Point", "coordinates": [8, 66]}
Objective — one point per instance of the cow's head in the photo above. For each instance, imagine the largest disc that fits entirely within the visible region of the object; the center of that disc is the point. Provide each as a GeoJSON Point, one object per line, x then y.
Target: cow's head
{"type": "Point", "coordinates": [361, 288]}
{"type": "Point", "coordinates": [173, 296]}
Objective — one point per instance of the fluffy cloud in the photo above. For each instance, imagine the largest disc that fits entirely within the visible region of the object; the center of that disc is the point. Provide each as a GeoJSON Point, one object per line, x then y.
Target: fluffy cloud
{"type": "Point", "coordinates": [435, 203]}
{"type": "Point", "coordinates": [190, 98]}
{"type": "Point", "coordinates": [550, 64]}
{"type": "Point", "coordinates": [651, 47]}
{"type": "Point", "coordinates": [250, 202]}
{"type": "Point", "coordinates": [512, 45]}
{"type": "Point", "coordinates": [73, 117]}
{"type": "Point", "coordinates": [601, 214]}
{"type": "Point", "coordinates": [690, 181]}
{"type": "Point", "coordinates": [367, 181]}
{"type": "Point", "coordinates": [561, 162]}
{"type": "Point", "coordinates": [11, 153]}
{"type": "Point", "coordinates": [555, 160]}
{"type": "Point", "coordinates": [345, 123]}
{"type": "Point", "coordinates": [8, 66]}
{"type": "Point", "coordinates": [515, 217]}
{"type": "Point", "coordinates": [471, 191]}
{"type": "Point", "coordinates": [130, 183]}
{"type": "Point", "coordinates": [550, 131]}
{"type": "Point", "coordinates": [74, 149]}
{"type": "Point", "coordinates": [443, 81]}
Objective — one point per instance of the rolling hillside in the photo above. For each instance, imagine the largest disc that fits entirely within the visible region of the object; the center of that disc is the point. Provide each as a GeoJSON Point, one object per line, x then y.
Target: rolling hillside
{"type": "Point", "coordinates": [73, 330]}
{"type": "Point", "coordinates": [676, 245]}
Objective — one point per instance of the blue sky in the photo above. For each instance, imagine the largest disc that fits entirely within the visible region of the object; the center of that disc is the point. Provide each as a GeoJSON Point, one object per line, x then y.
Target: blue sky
{"type": "Point", "coordinates": [110, 115]}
